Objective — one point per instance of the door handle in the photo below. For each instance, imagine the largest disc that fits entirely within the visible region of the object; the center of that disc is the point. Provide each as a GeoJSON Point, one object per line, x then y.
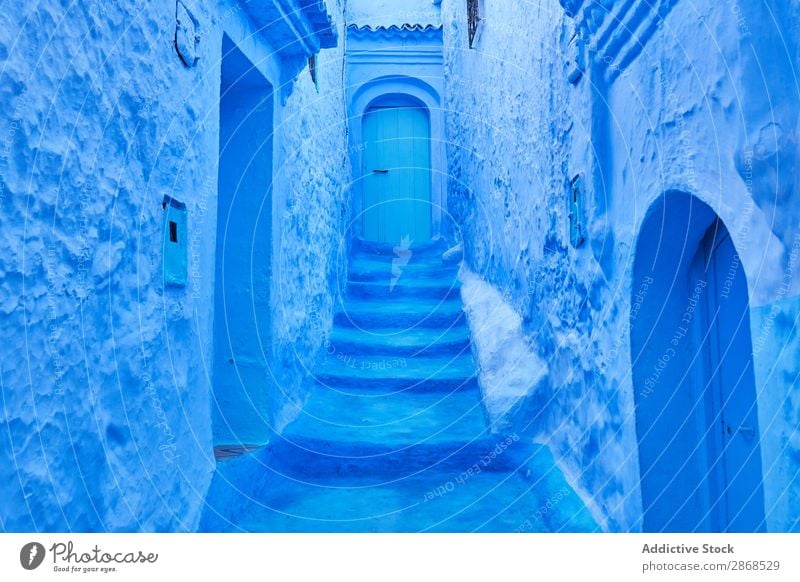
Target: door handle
{"type": "Point", "coordinates": [744, 429]}
{"type": "Point", "coordinates": [380, 171]}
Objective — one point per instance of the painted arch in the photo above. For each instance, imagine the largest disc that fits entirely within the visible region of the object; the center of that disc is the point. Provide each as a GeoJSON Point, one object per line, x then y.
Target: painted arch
{"type": "Point", "coordinates": [415, 90]}
{"type": "Point", "coordinates": [694, 385]}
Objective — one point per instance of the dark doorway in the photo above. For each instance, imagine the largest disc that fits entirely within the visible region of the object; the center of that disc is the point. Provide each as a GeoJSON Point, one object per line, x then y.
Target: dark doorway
{"type": "Point", "coordinates": [243, 258]}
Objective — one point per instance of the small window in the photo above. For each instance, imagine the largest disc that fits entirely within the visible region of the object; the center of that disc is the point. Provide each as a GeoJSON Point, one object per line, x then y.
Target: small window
{"type": "Point", "coordinates": [174, 246]}
{"type": "Point", "coordinates": [473, 18]}
{"type": "Point", "coordinates": [312, 68]}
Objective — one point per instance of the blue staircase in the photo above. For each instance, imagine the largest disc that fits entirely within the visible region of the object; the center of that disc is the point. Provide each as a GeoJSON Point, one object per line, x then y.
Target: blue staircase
{"type": "Point", "coordinates": [393, 436]}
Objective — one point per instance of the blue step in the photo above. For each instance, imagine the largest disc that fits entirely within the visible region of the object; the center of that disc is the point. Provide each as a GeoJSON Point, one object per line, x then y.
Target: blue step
{"type": "Point", "coordinates": [398, 374]}
{"type": "Point", "coordinates": [390, 418]}
{"type": "Point", "coordinates": [393, 290]}
{"type": "Point", "coordinates": [373, 463]}
{"type": "Point", "coordinates": [411, 267]}
{"type": "Point", "coordinates": [428, 249]}
{"type": "Point", "coordinates": [250, 495]}
{"type": "Point", "coordinates": [377, 314]}
{"type": "Point", "coordinates": [420, 341]}
{"type": "Point", "coordinates": [392, 435]}
{"type": "Point", "coordinates": [382, 273]}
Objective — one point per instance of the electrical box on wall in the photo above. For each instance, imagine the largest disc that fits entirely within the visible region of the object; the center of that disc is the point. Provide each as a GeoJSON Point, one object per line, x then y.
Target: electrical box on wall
{"type": "Point", "coordinates": [174, 242]}
{"type": "Point", "coordinates": [575, 211]}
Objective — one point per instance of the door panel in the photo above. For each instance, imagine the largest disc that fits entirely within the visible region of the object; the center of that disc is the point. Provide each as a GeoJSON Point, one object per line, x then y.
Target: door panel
{"type": "Point", "coordinates": [404, 162]}
{"type": "Point", "coordinates": [731, 379]}
{"type": "Point", "coordinates": [371, 183]}
{"type": "Point", "coordinates": [396, 191]}
{"type": "Point", "coordinates": [422, 178]}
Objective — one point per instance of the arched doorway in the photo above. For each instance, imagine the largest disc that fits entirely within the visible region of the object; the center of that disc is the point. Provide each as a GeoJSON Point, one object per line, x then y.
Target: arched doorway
{"type": "Point", "coordinates": [694, 387]}
{"type": "Point", "coordinates": [396, 171]}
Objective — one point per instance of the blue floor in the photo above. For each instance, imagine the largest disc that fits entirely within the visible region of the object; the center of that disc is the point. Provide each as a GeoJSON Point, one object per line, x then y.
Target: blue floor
{"type": "Point", "coordinates": [393, 437]}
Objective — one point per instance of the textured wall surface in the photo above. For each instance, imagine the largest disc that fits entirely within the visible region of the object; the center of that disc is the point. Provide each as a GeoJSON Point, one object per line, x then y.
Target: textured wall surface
{"type": "Point", "coordinates": [679, 105]}
{"type": "Point", "coordinates": [106, 371]}
{"type": "Point", "coordinates": [313, 211]}
{"type": "Point", "coordinates": [700, 111]}
{"type": "Point", "coordinates": [106, 404]}
{"type": "Point", "coordinates": [509, 135]}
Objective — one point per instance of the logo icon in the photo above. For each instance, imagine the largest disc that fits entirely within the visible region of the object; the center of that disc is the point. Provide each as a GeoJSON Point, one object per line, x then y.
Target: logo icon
{"type": "Point", "coordinates": [404, 254]}
{"type": "Point", "coordinates": [31, 555]}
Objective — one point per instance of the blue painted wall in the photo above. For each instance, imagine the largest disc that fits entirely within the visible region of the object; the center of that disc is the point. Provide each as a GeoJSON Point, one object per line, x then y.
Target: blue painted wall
{"type": "Point", "coordinates": [671, 100]}
{"type": "Point", "coordinates": [105, 354]}
{"type": "Point", "coordinates": [107, 375]}
{"type": "Point", "coordinates": [393, 12]}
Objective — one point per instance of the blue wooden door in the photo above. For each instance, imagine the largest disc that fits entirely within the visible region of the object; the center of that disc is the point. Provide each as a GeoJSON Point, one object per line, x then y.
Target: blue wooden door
{"type": "Point", "coordinates": [396, 189]}
{"type": "Point", "coordinates": [731, 389]}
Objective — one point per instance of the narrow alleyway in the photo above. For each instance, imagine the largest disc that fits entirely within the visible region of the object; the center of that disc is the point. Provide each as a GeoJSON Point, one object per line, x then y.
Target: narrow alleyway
{"type": "Point", "coordinates": [393, 437]}
{"type": "Point", "coordinates": [189, 346]}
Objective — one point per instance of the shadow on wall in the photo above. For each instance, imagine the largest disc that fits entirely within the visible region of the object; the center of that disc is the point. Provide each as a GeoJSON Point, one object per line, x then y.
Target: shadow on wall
{"type": "Point", "coordinates": [243, 256]}
{"type": "Point", "coordinates": [694, 387]}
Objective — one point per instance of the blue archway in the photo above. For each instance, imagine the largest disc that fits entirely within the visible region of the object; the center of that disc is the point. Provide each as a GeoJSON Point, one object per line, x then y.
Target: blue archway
{"type": "Point", "coordinates": [399, 90]}
{"type": "Point", "coordinates": [694, 387]}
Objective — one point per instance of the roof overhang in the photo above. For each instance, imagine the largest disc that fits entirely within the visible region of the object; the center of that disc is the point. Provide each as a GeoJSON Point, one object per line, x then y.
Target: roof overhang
{"type": "Point", "coordinates": [296, 29]}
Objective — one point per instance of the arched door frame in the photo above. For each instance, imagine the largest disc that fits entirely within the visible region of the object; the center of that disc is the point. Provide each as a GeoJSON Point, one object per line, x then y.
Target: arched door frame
{"type": "Point", "coordinates": [669, 341]}
{"type": "Point", "coordinates": [415, 90]}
